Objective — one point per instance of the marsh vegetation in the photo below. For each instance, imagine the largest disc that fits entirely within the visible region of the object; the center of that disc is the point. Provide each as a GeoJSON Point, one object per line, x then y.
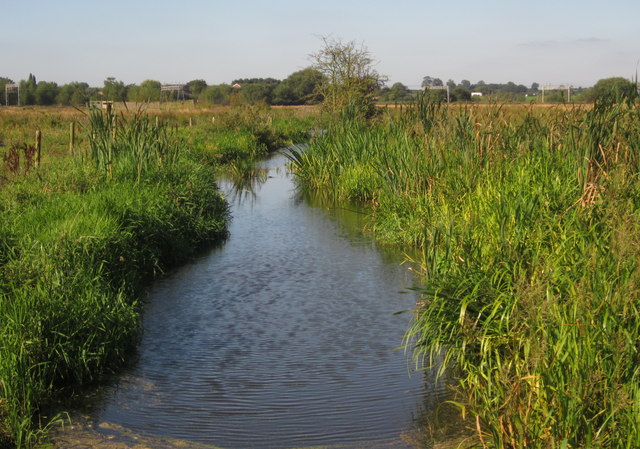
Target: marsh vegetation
{"type": "Point", "coordinates": [82, 235]}
{"type": "Point", "coordinates": [527, 221]}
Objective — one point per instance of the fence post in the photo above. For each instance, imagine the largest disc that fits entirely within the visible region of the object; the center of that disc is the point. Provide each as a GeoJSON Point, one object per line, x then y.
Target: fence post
{"type": "Point", "coordinates": [72, 137]}
{"type": "Point", "coordinates": [38, 147]}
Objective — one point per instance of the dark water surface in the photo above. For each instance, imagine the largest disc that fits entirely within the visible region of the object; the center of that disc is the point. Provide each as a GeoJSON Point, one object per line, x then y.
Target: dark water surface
{"type": "Point", "coordinates": [282, 337]}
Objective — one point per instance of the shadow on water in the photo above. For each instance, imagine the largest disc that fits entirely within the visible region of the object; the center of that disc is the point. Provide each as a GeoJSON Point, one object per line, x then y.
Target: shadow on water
{"type": "Point", "coordinates": [285, 336]}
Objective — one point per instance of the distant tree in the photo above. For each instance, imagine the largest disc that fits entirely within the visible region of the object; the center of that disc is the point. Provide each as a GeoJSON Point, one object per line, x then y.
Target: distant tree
{"type": "Point", "coordinates": [256, 90]}
{"type": "Point", "coordinates": [256, 93]}
{"type": "Point", "coordinates": [451, 84]}
{"type": "Point", "coordinates": [28, 90]}
{"type": "Point", "coordinates": [535, 87]}
{"type": "Point", "coordinates": [3, 82]}
{"type": "Point", "coordinates": [614, 90]}
{"type": "Point", "coordinates": [399, 92]}
{"type": "Point", "coordinates": [74, 93]}
{"type": "Point", "coordinates": [461, 93]}
{"type": "Point", "coordinates": [481, 87]}
{"type": "Point", "coordinates": [299, 88]}
{"type": "Point", "coordinates": [514, 88]}
{"type": "Point", "coordinates": [466, 84]}
{"type": "Point", "coordinates": [46, 93]}
{"type": "Point", "coordinates": [114, 90]}
{"type": "Point", "coordinates": [196, 87]}
{"type": "Point", "coordinates": [427, 81]}
{"type": "Point", "coordinates": [217, 94]}
{"type": "Point", "coordinates": [350, 80]}
{"type": "Point", "coordinates": [148, 90]}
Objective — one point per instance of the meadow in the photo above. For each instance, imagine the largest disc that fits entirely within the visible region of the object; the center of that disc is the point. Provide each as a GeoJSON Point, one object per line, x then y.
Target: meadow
{"type": "Point", "coordinates": [88, 224]}
{"type": "Point", "coordinates": [527, 222]}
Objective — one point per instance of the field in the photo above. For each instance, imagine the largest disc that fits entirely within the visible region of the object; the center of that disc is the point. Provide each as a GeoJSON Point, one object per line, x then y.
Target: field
{"type": "Point", "coordinates": [85, 227]}
{"type": "Point", "coordinates": [527, 219]}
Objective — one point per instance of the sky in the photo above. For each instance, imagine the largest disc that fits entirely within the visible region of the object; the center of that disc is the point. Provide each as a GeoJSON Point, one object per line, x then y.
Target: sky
{"type": "Point", "coordinates": [548, 42]}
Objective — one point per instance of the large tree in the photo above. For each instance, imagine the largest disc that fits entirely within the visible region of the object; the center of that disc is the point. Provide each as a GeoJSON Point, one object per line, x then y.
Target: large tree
{"type": "Point", "coordinates": [615, 90]}
{"type": "Point", "coordinates": [217, 94]}
{"type": "Point", "coordinates": [28, 90]}
{"type": "Point", "coordinates": [196, 87]}
{"type": "Point", "coordinates": [299, 88]}
{"type": "Point", "coordinates": [74, 93]}
{"type": "Point", "coordinates": [148, 90]}
{"type": "Point", "coordinates": [114, 90]}
{"type": "Point", "coordinates": [350, 79]}
{"type": "Point", "coordinates": [46, 93]}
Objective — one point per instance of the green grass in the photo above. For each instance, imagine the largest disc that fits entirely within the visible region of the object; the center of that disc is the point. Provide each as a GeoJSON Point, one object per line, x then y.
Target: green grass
{"type": "Point", "coordinates": [82, 236]}
{"type": "Point", "coordinates": [527, 220]}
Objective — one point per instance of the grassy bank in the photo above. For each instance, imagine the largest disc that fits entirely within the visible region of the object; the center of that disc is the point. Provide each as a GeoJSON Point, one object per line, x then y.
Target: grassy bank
{"type": "Point", "coordinates": [528, 222]}
{"type": "Point", "coordinates": [82, 235]}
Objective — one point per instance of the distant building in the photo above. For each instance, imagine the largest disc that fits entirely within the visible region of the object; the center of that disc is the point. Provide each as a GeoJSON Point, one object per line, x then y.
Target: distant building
{"type": "Point", "coordinates": [236, 86]}
{"type": "Point", "coordinates": [476, 94]}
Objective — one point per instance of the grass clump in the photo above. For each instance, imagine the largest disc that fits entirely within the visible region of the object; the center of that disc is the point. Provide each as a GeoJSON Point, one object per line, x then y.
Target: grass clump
{"type": "Point", "coordinates": [79, 240]}
{"type": "Point", "coordinates": [527, 221]}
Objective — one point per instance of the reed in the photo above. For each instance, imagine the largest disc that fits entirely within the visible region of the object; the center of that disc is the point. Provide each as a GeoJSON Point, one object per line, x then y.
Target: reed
{"type": "Point", "coordinates": [527, 222]}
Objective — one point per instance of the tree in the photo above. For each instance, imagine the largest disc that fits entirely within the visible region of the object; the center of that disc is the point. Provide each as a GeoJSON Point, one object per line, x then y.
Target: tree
{"type": "Point", "coordinates": [461, 93]}
{"type": "Point", "coordinates": [74, 93]}
{"type": "Point", "coordinates": [148, 90]}
{"type": "Point", "coordinates": [299, 88]}
{"type": "Point", "coordinates": [429, 81]}
{"type": "Point", "coordinates": [466, 84]}
{"type": "Point", "coordinates": [350, 81]}
{"type": "Point", "coordinates": [196, 87]}
{"type": "Point", "coordinates": [614, 90]}
{"type": "Point", "coordinates": [218, 94]}
{"type": "Point", "coordinates": [256, 90]}
{"type": "Point", "coordinates": [28, 90]}
{"type": "Point", "coordinates": [114, 90]}
{"type": "Point", "coordinates": [451, 84]}
{"type": "Point", "coordinates": [3, 82]}
{"type": "Point", "coordinates": [398, 92]}
{"type": "Point", "coordinates": [46, 93]}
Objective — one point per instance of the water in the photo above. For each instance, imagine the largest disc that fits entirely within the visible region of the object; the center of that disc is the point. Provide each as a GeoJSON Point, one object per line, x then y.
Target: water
{"type": "Point", "coordinates": [282, 337]}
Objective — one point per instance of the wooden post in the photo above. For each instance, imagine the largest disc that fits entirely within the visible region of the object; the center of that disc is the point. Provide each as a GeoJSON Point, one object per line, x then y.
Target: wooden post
{"type": "Point", "coordinates": [38, 147]}
{"type": "Point", "coordinates": [72, 137]}
{"type": "Point", "coordinates": [190, 122]}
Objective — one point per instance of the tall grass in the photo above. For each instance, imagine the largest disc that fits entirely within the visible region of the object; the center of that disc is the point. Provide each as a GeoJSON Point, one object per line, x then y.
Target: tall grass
{"type": "Point", "coordinates": [134, 144]}
{"type": "Point", "coordinates": [79, 242]}
{"type": "Point", "coordinates": [528, 223]}
{"type": "Point", "coordinates": [83, 235]}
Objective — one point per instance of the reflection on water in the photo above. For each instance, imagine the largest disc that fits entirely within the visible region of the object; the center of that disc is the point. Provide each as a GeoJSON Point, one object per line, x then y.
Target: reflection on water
{"type": "Point", "coordinates": [282, 337]}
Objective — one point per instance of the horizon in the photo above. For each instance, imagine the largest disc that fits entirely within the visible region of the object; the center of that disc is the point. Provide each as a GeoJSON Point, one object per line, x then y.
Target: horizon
{"type": "Point", "coordinates": [133, 41]}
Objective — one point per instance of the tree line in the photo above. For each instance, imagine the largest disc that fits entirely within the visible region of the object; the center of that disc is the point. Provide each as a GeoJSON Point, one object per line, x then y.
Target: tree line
{"type": "Point", "coordinates": [300, 88]}
{"type": "Point", "coordinates": [606, 89]}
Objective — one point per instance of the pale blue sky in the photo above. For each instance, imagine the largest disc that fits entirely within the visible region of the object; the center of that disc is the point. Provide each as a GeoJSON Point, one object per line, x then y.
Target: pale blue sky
{"type": "Point", "coordinates": [549, 42]}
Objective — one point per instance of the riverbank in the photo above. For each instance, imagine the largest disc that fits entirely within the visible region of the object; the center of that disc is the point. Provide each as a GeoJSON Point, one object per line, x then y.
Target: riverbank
{"type": "Point", "coordinates": [527, 222]}
{"type": "Point", "coordinates": [83, 234]}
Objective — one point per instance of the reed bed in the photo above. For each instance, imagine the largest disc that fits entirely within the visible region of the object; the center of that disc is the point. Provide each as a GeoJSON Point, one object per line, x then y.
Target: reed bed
{"type": "Point", "coordinates": [83, 235]}
{"type": "Point", "coordinates": [527, 221]}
